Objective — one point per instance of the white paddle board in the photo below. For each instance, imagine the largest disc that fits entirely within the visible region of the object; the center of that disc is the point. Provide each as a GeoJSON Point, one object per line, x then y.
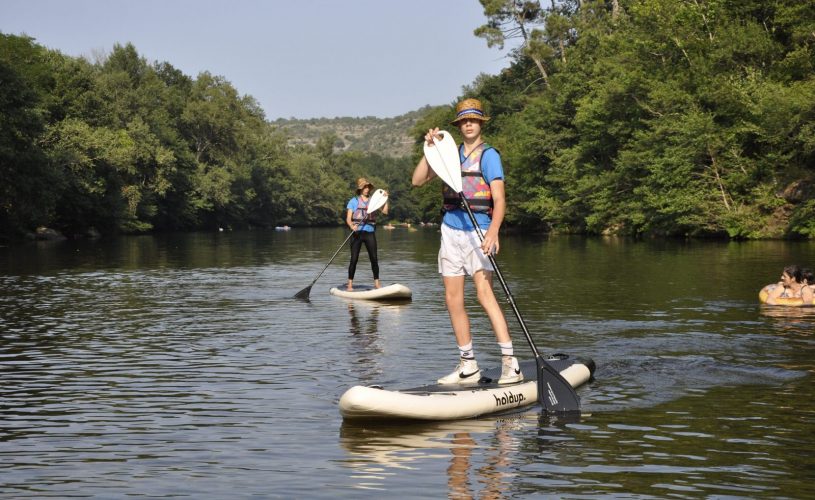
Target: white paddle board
{"type": "Point", "coordinates": [455, 402]}
{"type": "Point", "coordinates": [395, 291]}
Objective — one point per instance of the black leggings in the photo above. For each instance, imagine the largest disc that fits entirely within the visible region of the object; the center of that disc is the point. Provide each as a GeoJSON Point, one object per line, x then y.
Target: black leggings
{"type": "Point", "coordinates": [369, 238]}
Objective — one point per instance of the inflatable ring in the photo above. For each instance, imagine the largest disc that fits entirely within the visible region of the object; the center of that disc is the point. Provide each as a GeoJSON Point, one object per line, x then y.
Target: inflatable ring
{"type": "Point", "coordinates": [781, 301]}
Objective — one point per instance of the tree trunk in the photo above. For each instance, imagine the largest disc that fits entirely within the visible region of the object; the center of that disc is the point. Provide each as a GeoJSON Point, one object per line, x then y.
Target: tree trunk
{"type": "Point", "coordinates": [522, 27]}
{"type": "Point", "coordinates": [545, 76]}
{"type": "Point", "coordinates": [720, 184]}
{"type": "Point", "coordinates": [561, 44]}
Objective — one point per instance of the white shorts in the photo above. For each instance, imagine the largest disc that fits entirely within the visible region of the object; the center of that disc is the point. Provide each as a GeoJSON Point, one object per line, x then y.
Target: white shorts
{"type": "Point", "coordinates": [460, 253]}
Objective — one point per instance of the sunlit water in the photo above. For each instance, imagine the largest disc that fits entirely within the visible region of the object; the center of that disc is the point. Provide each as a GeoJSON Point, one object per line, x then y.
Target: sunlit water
{"type": "Point", "coordinates": [182, 367]}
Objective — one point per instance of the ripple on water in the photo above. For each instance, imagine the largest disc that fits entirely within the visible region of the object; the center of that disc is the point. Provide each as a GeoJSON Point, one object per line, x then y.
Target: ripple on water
{"type": "Point", "coordinates": [199, 375]}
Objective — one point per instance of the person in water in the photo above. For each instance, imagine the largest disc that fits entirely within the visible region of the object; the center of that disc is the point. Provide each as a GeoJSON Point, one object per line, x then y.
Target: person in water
{"type": "Point", "coordinates": [808, 277]}
{"type": "Point", "coordinates": [364, 230]}
{"type": "Point", "coordinates": [793, 285]}
{"type": "Point", "coordinates": [461, 253]}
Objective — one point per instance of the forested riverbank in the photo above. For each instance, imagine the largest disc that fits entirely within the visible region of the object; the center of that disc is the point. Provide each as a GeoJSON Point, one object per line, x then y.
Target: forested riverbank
{"type": "Point", "coordinates": [633, 117]}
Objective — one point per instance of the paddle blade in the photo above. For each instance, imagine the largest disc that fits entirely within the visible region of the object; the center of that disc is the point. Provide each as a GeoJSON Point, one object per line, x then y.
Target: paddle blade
{"type": "Point", "coordinates": [377, 201]}
{"type": "Point", "coordinates": [303, 294]}
{"type": "Point", "coordinates": [555, 393]}
{"type": "Point", "coordinates": [442, 156]}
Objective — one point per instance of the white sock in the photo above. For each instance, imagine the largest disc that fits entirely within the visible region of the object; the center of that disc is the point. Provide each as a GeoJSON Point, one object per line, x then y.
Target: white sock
{"type": "Point", "coordinates": [466, 351]}
{"type": "Point", "coordinates": [506, 348]}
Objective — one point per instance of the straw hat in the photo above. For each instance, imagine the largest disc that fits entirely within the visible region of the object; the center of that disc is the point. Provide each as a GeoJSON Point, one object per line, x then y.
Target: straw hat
{"type": "Point", "coordinates": [362, 182]}
{"type": "Point", "coordinates": [469, 108]}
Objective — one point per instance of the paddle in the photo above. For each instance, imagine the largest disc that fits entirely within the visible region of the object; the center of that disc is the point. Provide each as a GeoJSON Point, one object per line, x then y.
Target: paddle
{"type": "Point", "coordinates": [377, 200]}
{"type": "Point", "coordinates": [555, 393]}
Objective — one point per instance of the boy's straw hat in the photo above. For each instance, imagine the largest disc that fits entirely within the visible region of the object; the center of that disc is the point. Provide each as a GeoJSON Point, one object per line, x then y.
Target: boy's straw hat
{"type": "Point", "coordinates": [469, 108]}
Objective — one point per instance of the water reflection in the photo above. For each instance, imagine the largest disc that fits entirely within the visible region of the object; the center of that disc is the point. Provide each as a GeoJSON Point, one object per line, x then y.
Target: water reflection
{"type": "Point", "coordinates": [478, 453]}
{"type": "Point", "coordinates": [365, 341]}
{"type": "Point", "coordinates": [482, 458]}
{"type": "Point", "coordinates": [708, 444]}
{"type": "Point", "coordinates": [373, 328]}
{"type": "Point", "coordinates": [185, 356]}
{"type": "Point", "coordinates": [796, 327]}
{"type": "Point", "coordinates": [796, 317]}
{"type": "Point", "coordinates": [465, 475]}
{"type": "Point", "coordinates": [366, 327]}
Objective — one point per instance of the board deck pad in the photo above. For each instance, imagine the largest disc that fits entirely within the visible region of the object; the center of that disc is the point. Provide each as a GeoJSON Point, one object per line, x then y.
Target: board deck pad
{"type": "Point", "coordinates": [393, 291]}
{"type": "Point", "coordinates": [357, 288]}
{"type": "Point", "coordinates": [490, 376]}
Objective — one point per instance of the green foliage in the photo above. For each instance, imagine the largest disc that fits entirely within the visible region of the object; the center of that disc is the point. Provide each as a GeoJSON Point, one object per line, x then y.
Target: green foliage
{"type": "Point", "coordinates": [125, 146]}
{"type": "Point", "coordinates": [27, 181]}
{"type": "Point", "coordinates": [663, 117]}
{"type": "Point", "coordinates": [637, 117]}
{"type": "Point", "coordinates": [802, 222]}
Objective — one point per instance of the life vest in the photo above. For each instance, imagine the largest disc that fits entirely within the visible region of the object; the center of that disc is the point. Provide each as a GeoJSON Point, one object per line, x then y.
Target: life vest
{"type": "Point", "coordinates": [361, 211]}
{"type": "Point", "coordinates": [473, 185]}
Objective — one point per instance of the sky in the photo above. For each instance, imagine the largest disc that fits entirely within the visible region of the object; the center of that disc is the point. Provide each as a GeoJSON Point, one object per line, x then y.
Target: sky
{"type": "Point", "coordinates": [297, 58]}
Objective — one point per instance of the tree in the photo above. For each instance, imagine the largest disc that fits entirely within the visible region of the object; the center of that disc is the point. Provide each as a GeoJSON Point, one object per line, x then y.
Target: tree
{"type": "Point", "coordinates": [217, 124]}
{"type": "Point", "coordinates": [28, 182]}
{"type": "Point", "coordinates": [668, 118]}
{"type": "Point", "coordinates": [511, 19]}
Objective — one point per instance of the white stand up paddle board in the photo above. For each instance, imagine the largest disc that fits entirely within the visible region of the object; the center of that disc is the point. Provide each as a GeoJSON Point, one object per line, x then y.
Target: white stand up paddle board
{"type": "Point", "coordinates": [368, 292]}
{"type": "Point", "coordinates": [456, 402]}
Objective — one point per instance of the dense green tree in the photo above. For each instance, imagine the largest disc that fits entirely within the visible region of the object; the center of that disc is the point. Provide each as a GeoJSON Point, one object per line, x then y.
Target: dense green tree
{"type": "Point", "coordinates": [28, 182]}
{"type": "Point", "coordinates": [218, 124]}
{"type": "Point", "coordinates": [90, 159]}
{"type": "Point", "coordinates": [270, 179]}
{"type": "Point", "coordinates": [638, 117]}
{"type": "Point", "coordinates": [663, 117]}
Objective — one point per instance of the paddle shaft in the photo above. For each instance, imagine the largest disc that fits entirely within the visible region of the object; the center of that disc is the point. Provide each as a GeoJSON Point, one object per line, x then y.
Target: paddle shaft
{"type": "Point", "coordinates": [568, 402]}
{"type": "Point", "coordinates": [503, 282]}
{"type": "Point", "coordinates": [378, 199]}
{"type": "Point", "coordinates": [308, 288]}
{"type": "Point", "coordinates": [555, 393]}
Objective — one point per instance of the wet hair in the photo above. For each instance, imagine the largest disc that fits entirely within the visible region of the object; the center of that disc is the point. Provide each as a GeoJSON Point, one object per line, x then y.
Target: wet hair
{"type": "Point", "coordinates": [794, 272]}
{"type": "Point", "coordinates": [806, 275]}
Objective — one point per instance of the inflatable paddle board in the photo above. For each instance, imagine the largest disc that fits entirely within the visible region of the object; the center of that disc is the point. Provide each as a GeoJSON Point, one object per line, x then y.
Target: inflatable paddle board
{"type": "Point", "coordinates": [764, 294]}
{"type": "Point", "coordinates": [368, 292]}
{"type": "Point", "coordinates": [456, 402]}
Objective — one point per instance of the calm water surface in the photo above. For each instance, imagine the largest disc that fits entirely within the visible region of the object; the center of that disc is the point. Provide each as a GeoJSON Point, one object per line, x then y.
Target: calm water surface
{"type": "Point", "coordinates": [180, 366]}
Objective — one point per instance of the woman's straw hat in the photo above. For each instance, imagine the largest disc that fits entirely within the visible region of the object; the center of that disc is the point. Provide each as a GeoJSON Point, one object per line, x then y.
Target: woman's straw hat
{"type": "Point", "coordinates": [361, 183]}
{"type": "Point", "coordinates": [469, 108]}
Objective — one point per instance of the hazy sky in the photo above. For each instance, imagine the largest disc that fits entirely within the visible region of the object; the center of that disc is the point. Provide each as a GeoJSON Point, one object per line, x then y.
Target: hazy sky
{"type": "Point", "coordinates": [298, 58]}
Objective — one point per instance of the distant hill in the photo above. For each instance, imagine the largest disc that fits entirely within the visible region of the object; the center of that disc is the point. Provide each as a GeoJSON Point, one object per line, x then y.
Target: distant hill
{"type": "Point", "coordinates": [384, 136]}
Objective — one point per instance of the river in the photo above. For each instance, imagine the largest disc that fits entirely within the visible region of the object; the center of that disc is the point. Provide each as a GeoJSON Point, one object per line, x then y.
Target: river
{"type": "Point", "coordinates": [181, 366]}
